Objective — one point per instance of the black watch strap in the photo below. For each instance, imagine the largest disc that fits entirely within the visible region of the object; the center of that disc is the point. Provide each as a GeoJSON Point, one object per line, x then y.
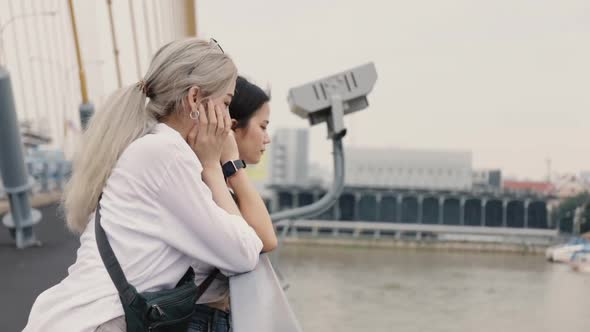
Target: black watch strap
{"type": "Point", "coordinates": [231, 167]}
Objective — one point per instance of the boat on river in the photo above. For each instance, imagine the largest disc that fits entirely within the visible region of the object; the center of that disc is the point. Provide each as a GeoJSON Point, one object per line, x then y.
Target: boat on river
{"type": "Point", "coordinates": [563, 252]}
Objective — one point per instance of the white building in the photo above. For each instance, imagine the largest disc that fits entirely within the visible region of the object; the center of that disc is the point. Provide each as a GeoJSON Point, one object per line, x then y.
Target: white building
{"type": "Point", "coordinates": [408, 168]}
{"type": "Point", "coordinates": [487, 178]}
{"type": "Point", "coordinates": [289, 154]}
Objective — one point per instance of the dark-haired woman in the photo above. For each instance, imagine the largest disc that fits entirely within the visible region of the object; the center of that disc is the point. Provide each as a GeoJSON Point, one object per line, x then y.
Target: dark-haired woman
{"type": "Point", "coordinates": [249, 111]}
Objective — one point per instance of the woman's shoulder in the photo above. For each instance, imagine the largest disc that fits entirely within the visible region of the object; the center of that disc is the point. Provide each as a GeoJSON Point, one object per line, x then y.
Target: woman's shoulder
{"type": "Point", "coordinates": [159, 148]}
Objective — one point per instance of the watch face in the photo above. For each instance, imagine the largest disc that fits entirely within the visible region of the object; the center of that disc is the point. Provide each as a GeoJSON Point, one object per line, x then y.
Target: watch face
{"type": "Point", "coordinates": [239, 164]}
{"type": "Point", "coordinates": [229, 168]}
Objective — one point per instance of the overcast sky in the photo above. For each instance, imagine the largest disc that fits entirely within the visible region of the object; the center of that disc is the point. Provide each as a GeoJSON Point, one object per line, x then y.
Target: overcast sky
{"type": "Point", "coordinates": [508, 80]}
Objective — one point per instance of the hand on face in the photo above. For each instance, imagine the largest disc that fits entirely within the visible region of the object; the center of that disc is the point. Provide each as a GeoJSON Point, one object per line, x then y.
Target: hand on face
{"type": "Point", "coordinates": [209, 134]}
{"type": "Point", "coordinates": [230, 149]}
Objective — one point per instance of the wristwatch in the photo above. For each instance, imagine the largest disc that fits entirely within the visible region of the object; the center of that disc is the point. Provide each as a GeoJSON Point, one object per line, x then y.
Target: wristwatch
{"type": "Point", "coordinates": [231, 167]}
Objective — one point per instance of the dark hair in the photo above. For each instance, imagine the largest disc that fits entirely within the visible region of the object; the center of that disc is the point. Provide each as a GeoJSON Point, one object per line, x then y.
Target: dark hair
{"type": "Point", "coordinates": [248, 98]}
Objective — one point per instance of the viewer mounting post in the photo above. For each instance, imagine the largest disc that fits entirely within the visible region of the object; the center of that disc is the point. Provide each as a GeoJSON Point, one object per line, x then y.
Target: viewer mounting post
{"type": "Point", "coordinates": [258, 302]}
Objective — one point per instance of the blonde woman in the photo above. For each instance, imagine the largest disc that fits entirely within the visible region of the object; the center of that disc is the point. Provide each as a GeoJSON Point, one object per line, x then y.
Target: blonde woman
{"type": "Point", "coordinates": [165, 204]}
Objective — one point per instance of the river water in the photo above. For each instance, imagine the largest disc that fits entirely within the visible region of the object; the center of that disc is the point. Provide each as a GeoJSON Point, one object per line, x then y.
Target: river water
{"type": "Point", "coordinates": [345, 289]}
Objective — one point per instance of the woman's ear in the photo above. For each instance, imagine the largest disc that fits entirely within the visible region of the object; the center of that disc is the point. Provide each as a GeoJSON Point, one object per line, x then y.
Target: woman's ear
{"type": "Point", "coordinates": [234, 124]}
{"type": "Point", "coordinates": [193, 97]}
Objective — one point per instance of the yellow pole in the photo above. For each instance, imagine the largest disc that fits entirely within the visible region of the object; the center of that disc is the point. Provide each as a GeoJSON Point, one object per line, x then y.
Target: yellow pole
{"type": "Point", "coordinates": [78, 55]}
{"type": "Point", "coordinates": [135, 45]}
{"type": "Point", "coordinates": [115, 48]}
{"type": "Point", "coordinates": [191, 19]}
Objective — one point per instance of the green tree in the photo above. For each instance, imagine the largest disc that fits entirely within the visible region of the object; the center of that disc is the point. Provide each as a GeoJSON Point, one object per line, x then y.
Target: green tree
{"type": "Point", "coordinates": [585, 227]}
{"type": "Point", "coordinates": [566, 210]}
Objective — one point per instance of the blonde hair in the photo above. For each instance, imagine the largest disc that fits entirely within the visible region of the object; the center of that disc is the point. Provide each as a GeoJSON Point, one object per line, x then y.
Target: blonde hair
{"type": "Point", "coordinates": [125, 117]}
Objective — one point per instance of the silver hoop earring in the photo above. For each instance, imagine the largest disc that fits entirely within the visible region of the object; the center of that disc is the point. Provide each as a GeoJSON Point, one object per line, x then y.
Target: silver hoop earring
{"type": "Point", "coordinates": [194, 115]}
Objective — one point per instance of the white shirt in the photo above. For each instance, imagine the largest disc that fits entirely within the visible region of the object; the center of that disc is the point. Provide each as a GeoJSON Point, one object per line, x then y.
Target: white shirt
{"type": "Point", "coordinates": [160, 218]}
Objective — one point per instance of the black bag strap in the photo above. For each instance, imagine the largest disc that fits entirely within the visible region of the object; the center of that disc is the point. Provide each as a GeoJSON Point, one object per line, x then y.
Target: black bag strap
{"type": "Point", "coordinates": [206, 283]}
{"type": "Point", "coordinates": [126, 291]}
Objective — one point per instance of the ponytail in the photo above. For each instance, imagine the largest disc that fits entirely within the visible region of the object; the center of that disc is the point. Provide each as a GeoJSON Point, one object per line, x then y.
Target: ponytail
{"type": "Point", "coordinates": [122, 120]}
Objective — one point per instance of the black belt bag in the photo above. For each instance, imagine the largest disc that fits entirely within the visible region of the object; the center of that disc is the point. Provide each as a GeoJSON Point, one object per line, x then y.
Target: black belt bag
{"type": "Point", "coordinates": [167, 310]}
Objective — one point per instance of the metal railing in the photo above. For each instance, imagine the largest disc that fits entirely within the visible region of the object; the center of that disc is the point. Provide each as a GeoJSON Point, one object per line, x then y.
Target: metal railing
{"type": "Point", "coordinates": [356, 229]}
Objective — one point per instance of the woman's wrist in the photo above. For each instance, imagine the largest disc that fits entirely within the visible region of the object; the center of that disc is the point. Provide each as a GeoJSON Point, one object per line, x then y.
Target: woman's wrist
{"type": "Point", "coordinates": [211, 171]}
{"type": "Point", "coordinates": [238, 177]}
{"type": "Point", "coordinates": [210, 165]}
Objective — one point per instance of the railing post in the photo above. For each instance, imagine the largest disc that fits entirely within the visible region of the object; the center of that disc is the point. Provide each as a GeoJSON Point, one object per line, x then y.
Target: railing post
{"type": "Point", "coordinates": [21, 218]}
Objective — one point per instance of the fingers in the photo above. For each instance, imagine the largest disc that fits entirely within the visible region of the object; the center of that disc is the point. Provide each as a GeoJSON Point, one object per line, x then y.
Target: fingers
{"type": "Point", "coordinates": [192, 135]}
{"type": "Point", "coordinates": [220, 121]}
{"type": "Point", "coordinates": [203, 122]}
{"type": "Point", "coordinates": [212, 117]}
{"type": "Point", "coordinates": [227, 122]}
{"type": "Point", "coordinates": [209, 135]}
